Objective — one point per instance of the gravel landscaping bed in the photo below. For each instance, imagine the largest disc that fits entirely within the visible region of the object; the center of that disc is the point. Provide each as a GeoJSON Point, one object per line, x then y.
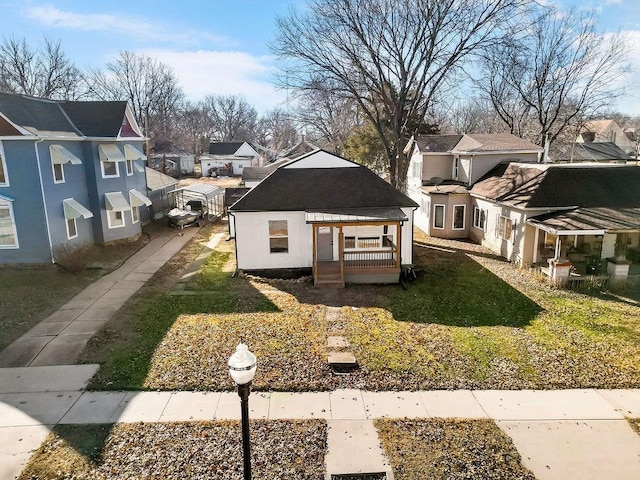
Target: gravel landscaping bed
{"type": "Point", "coordinates": [451, 449]}
{"type": "Point", "coordinates": [280, 450]}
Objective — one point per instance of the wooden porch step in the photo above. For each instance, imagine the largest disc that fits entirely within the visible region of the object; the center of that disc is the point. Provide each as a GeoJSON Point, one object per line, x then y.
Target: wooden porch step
{"type": "Point", "coordinates": [329, 284]}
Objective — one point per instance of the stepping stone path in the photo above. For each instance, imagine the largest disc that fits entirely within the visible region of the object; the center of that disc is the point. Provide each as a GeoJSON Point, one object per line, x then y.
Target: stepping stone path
{"type": "Point", "coordinates": [340, 361]}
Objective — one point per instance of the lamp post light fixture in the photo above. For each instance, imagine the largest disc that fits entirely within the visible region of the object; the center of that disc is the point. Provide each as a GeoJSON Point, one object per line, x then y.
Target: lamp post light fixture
{"type": "Point", "coordinates": [242, 369]}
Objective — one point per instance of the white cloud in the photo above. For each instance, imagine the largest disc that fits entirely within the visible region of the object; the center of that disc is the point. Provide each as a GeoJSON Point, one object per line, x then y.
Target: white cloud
{"type": "Point", "coordinates": [136, 28]}
{"type": "Point", "coordinates": [205, 72]}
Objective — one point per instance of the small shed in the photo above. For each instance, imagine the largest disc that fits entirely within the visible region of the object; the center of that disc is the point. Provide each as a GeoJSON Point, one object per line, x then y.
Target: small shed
{"type": "Point", "coordinates": [211, 196]}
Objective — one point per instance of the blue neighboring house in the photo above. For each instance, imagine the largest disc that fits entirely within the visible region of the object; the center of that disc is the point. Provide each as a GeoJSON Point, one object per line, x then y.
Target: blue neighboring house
{"type": "Point", "coordinates": [70, 173]}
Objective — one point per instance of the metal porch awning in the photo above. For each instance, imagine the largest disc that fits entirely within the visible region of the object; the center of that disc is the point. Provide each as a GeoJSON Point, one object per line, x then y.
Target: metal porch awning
{"type": "Point", "coordinates": [109, 152]}
{"type": "Point", "coordinates": [138, 199]}
{"type": "Point", "coordinates": [116, 201]}
{"type": "Point", "coordinates": [60, 155]}
{"type": "Point", "coordinates": [73, 209]}
{"type": "Point", "coordinates": [588, 221]}
{"type": "Point", "coordinates": [355, 215]}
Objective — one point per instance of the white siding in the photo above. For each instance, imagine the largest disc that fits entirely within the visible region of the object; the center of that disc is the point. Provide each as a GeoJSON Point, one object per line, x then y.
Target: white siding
{"type": "Point", "coordinates": [252, 241]}
{"type": "Point", "coordinates": [322, 159]}
{"type": "Point", "coordinates": [246, 150]}
{"type": "Point", "coordinates": [407, 238]}
{"type": "Point", "coordinates": [481, 164]}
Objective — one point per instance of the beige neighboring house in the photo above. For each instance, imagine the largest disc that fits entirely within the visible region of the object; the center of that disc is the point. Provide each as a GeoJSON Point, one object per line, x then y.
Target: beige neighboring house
{"type": "Point", "coordinates": [442, 168]}
{"type": "Point", "coordinates": [597, 131]}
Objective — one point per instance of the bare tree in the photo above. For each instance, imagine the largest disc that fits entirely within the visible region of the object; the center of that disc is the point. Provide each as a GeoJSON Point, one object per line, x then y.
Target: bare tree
{"type": "Point", "coordinates": [43, 71]}
{"type": "Point", "coordinates": [150, 87]}
{"type": "Point", "coordinates": [329, 118]}
{"type": "Point", "coordinates": [276, 131]}
{"type": "Point", "coordinates": [472, 115]}
{"type": "Point", "coordinates": [231, 118]}
{"type": "Point", "coordinates": [191, 128]}
{"type": "Point", "coordinates": [391, 57]}
{"type": "Point", "coordinates": [558, 72]}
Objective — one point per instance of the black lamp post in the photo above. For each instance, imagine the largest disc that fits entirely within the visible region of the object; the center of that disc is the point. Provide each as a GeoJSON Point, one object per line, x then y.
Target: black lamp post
{"type": "Point", "coordinates": [242, 369]}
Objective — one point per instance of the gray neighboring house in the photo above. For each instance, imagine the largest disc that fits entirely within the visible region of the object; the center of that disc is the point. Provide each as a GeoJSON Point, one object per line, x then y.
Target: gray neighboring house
{"type": "Point", "coordinates": [70, 173]}
{"type": "Point", "coordinates": [601, 152]}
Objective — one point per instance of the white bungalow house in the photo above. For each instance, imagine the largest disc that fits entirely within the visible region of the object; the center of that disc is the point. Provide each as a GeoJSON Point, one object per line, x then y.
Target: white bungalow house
{"type": "Point", "coordinates": [565, 218]}
{"type": "Point", "coordinates": [326, 214]}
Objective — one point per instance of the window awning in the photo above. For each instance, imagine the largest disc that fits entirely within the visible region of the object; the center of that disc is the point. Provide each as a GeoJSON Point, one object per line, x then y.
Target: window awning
{"type": "Point", "coordinates": [109, 152]}
{"type": "Point", "coordinates": [61, 155]}
{"type": "Point", "coordinates": [73, 209]}
{"type": "Point", "coordinates": [116, 201]}
{"type": "Point", "coordinates": [132, 153]}
{"type": "Point", "coordinates": [7, 199]}
{"type": "Point", "coordinates": [138, 199]}
{"type": "Point", "coordinates": [138, 168]}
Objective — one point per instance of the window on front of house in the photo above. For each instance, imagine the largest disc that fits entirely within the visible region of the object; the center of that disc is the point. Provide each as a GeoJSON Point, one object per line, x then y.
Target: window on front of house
{"type": "Point", "coordinates": [456, 167]}
{"type": "Point", "coordinates": [278, 236]}
{"type": "Point", "coordinates": [479, 218]}
{"type": "Point", "coordinates": [438, 216]}
{"type": "Point", "coordinates": [115, 218]}
{"type": "Point", "coordinates": [458, 216]}
{"type": "Point", "coordinates": [109, 169]}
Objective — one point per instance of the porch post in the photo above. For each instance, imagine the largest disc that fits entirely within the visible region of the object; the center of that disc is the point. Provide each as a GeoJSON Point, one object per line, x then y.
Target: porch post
{"type": "Point", "coordinates": [315, 262]}
{"type": "Point", "coordinates": [536, 245]}
{"type": "Point", "coordinates": [399, 246]}
{"type": "Point", "coordinates": [557, 251]}
{"type": "Point", "coordinates": [341, 252]}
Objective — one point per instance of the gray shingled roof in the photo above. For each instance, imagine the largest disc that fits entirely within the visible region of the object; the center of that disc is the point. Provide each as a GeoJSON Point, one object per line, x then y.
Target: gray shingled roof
{"type": "Point", "coordinates": [563, 185]}
{"type": "Point", "coordinates": [301, 189]}
{"type": "Point", "coordinates": [224, 148]}
{"type": "Point", "coordinates": [586, 219]}
{"type": "Point", "coordinates": [437, 143]}
{"type": "Point", "coordinates": [589, 152]}
{"type": "Point", "coordinates": [90, 118]}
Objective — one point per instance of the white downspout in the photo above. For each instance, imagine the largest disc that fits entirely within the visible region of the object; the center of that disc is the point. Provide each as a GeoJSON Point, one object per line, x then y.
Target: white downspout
{"type": "Point", "coordinates": [44, 200]}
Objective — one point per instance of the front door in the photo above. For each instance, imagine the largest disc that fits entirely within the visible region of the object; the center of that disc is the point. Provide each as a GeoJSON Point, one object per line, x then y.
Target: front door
{"type": "Point", "coordinates": [325, 244]}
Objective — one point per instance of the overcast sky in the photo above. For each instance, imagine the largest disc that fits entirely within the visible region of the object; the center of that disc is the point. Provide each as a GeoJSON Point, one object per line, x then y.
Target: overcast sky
{"type": "Point", "coordinates": [215, 46]}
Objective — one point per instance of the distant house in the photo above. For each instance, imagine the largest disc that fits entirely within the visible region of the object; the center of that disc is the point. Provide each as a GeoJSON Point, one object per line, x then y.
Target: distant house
{"type": "Point", "coordinates": [231, 157]}
{"type": "Point", "coordinates": [442, 168]}
{"type": "Point", "coordinates": [173, 164]}
{"type": "Point", "coordinates": [584, 217]}
{"type": "Point", "coordinates": [251, 176]}
{"type": "Point", "coordinates": [301, 148]}
{"type": "Point", "coordinates": [325, 214]}
{"type": "Point", "coordinates": [597, 131]}
{"type": "Point", "coordinates": [70, 173]}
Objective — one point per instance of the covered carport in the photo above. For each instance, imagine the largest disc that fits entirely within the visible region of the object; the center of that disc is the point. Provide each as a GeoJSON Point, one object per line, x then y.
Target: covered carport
{"type": "Point", "coordinates": [210, 196]}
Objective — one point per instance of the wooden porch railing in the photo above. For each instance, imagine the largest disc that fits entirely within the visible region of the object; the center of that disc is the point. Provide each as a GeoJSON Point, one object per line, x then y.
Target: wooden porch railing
{"type": "Point", "coordinates": [372, 259]}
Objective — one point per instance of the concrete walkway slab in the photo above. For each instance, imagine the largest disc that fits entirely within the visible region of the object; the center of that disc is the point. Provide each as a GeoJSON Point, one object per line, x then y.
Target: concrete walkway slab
{"type": "Point", "coordinates": [299, 405]}
{"type": "Point", "coordinates": [347, 405]}
{"type": "Point", "coordinates": [61, 378]}
{"type": "Point", "coordinates": [141, 407]}
{"type": "Point", "coordinates": [94, 407]}
{"type": "Point", "coordinates": [627, 402]}
{"type": "Point", "coordinates": [62, 350]}
{"type": "Point", "coordinates": [18, 444]}
{"type": "Point", "coordinates": [394, 405]}
{"type": "Point", "coordinates": [64, 315]}
{"type": "Point", "coordinates": [229, 406]}
{"type": "Point", "coordinates": [84, 327]}
{"type": "Point", "coordinates": [93, 314]}
{"type": "Point", "coordinates": [78, 304]}
{"type": "Point", "coordinates": [585, 450]}
{"type": "Point", "coordinates": [47, 329]}
{"type": "Point", "coordinates": [545, 405]}
{"type": "Point", "coordinates": [452, 404]}
{"type": "Point", "coordinates": [353, 447]}
{"type": "Point", "coordinates": [21, 409]}
{"type": "Point", "coordinates": [191, 406]}
{"type": "Point", "coordinates": [23, 351]}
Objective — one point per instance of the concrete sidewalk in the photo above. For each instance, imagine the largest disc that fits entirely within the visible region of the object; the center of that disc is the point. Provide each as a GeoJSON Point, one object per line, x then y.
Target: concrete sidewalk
{"type": "Point", "coordinates": [560, 434]}
{"type": "Point", "coordinates": [59, 339]}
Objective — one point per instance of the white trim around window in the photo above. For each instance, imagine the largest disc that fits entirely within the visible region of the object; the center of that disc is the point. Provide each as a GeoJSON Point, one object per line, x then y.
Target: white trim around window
{"type": "Point", "coordinates": [110, 165]}
{"type": "Point", "coordinates": [8, 229]}
{"type": "Point", "coordinates": [58, 172]}
{"type": "Point", "coordinates": [480, 218]}
{"type": "Point", "coordinates": [4, 176]}
{"type": "Point", "coordinates": [129, 164]}
{"type": "Point", "coordinates": [135, 214]}
{"type": "Point", "coordinates": [436, 207]}
{"type": "Point", "coordinates": [455, 220]}
{"type": "Point", "coordinates": [115, 219]}
{"type": "Point", "coordinates": [505, 228]}
{"type": "Point", "coordinates": [72, 228]}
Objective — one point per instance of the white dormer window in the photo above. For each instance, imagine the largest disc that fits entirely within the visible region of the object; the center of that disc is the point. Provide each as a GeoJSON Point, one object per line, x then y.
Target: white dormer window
{"type": "Point", "coordinates": [456, 167]}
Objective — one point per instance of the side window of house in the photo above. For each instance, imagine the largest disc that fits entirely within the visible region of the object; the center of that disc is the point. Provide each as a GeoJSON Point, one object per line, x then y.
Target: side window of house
{"type": "Point", "coordinates": [8, 234]}
{"type": "Point", "coordinates": [278, 236]}
{"type": "Point", "coordinates": [438, 216]}
{"type": "Point", "coordinates": [72, 228]}
{"type": "Point", "coordinates": [425, 206]}
{"type": "Point", "coordinates": [109, 169]}
{"type": "Point", "coordinates": [115, 218]}
{"type": "Point", "coordinates": [479, 218]}
{"type": "Point", "coordinates": [135, 214]}
{"type": "Point", "coordinates": [4, 181]}
{"type": "Point", "coordinates": [458, 216]}
{"type": "Point", "coordinates": [505, 228]}
{"type": "Point", "coordinates": [129, 167]}
{"type": "Point", "coordinates": [58, 173]}
{"type": "Point", "coordinates": [417, 170]}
